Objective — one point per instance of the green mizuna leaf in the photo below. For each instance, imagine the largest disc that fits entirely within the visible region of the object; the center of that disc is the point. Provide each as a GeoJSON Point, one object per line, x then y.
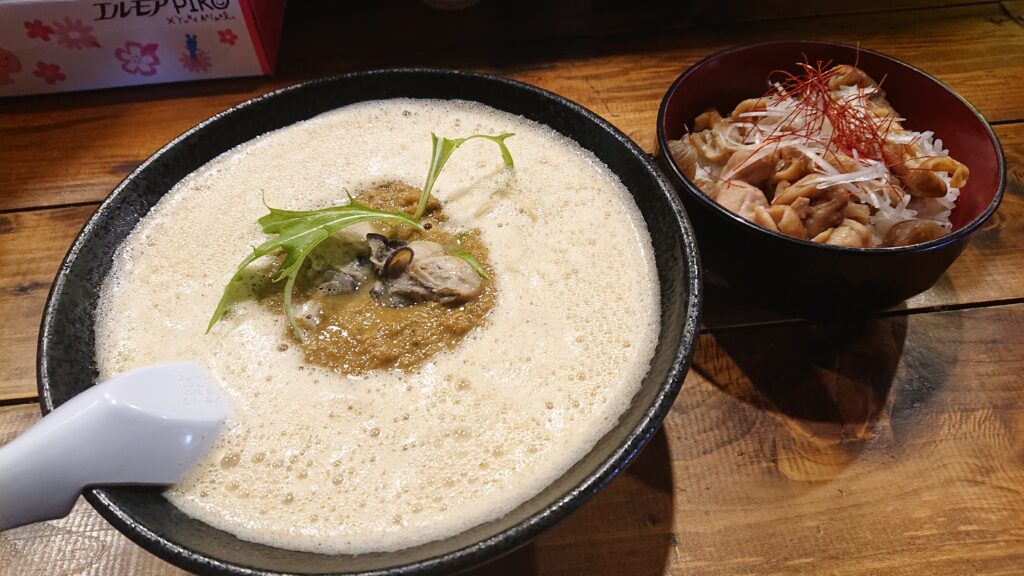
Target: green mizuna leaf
{"type": "Point", "coordinates": [473, 262]}
{"type": "Point", "coordinates": [443, 149]}
{"type": "Point", "coordinates": [297, 234]}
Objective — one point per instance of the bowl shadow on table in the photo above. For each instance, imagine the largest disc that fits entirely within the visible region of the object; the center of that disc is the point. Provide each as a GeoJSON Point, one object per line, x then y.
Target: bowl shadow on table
{"type": "Point", "coordinates": [626, 528]}
{"type": "Point", "coordinates": [827, 384]}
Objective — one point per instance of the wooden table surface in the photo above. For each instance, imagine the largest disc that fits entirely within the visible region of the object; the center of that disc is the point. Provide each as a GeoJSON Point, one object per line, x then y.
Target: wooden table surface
{"type": "Point", "coordinates": [888, 445]}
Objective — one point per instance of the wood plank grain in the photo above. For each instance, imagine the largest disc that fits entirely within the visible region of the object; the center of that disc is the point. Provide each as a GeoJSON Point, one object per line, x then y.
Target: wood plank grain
{"type": "Point", "coordinates": [886, 446]}
{"type": "Point", "coordinates": [1015, 9]}
{"type": "Point", "coordinates": [624, 81]}
{"type": "Point", "coordinates": [75, 147]}
{"type": "Point", "coordinates": [82, 543]}
{"type": "Point", "coordinates": [32, 245]}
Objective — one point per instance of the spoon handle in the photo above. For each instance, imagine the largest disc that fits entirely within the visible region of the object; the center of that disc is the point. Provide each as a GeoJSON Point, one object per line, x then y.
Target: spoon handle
{"type": "Point", "coordinates": [145, 427]}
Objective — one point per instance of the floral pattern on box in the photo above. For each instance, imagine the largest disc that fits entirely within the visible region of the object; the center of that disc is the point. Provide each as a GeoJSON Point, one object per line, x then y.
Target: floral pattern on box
{"type": "Point", "coordinates": [36, 29]}
{"type": "Point", "coordinates": [49, 72]}
{"type": "Point", "coordinates": [74, 34]}
{"type": "Point", "coordinates": [56, 45]}
{"type": "Point", "coordinates": [138, 58]}
{"type": "Point", "coordinates": [227, 36]}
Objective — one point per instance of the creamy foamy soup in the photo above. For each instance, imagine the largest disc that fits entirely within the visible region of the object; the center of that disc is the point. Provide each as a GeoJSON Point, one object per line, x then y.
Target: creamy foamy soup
{"type": "Point", "coordinates": [316, 460]}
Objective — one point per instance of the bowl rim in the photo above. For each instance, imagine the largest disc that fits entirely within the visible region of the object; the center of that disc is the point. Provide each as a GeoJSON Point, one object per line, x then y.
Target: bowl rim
{"type": "Point", "coordinates": [649, 421]}
{"type": "Point", "coordinates": [736, 219]}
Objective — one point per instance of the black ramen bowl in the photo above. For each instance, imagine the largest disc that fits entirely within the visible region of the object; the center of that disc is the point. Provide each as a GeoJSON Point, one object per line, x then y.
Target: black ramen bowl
{"type": "Point", "coordinates": [67, 357]}
{"type": "Point", "coordinates": [816, 280]}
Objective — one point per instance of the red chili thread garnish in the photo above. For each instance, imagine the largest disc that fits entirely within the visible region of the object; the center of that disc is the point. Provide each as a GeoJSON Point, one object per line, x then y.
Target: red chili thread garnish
{"type": "Point", "coordinates": [854, 127]}
{"type": "Point", "coordinates": [856, 131]}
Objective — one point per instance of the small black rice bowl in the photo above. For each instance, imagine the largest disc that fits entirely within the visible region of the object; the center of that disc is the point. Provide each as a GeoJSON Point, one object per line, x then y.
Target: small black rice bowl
{"type": "Point", "coordinates": [816, 280]}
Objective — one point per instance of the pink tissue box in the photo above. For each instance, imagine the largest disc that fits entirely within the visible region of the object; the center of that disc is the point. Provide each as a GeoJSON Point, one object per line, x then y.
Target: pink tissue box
{"type": "Point", "coordinates": [62, 45]}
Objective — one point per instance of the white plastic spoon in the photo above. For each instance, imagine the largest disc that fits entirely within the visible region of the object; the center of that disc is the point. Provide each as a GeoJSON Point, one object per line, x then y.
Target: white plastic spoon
{"type": "Point", "coordinates": [147, 426]}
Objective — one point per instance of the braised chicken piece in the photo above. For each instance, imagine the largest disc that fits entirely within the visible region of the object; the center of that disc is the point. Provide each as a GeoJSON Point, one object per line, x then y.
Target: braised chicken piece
{"type": "Point", "coordinates": [754, 167]}
{"type": "Point", "coordinates": [791, 168]}
{"type": "Point", "coordinates": [913, 232]}
{"type": "Point", "coordinates": [920, 176]}
{"type": "Point", "coordinates": [806, 187]}
{"type": "Point", "coordinates": [741, 198]}
{"type": "Point", "coordinates": [787, 220]}
{"type": "Point", "coordinates": [707, 121]}
{"type": "Point", "coordinates": [747, 106]}
{"type": "Point", "coordinates": [850, 233]}
{"type": "Point", "coordinates": [709, 147]}
{"type": "Point", "coordinates": [683, 153]}
{"type": "Point", "coordinates": [846, 75]}
{"type": "Point", "coordinates": [827, 212]}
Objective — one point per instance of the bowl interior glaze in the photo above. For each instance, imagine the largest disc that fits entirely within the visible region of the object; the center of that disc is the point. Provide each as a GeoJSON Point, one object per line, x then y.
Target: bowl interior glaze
{"type": "Point", "coordinates": [66, 362]}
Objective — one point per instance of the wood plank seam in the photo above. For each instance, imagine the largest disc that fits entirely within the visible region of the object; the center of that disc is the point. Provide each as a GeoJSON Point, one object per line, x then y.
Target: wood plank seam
{"type": "Point", "coordinates": [52, 206]}
{"type": "Point", "coordinates": [17, 401]}
{"type": "Point", "coordinates": [883, 314]}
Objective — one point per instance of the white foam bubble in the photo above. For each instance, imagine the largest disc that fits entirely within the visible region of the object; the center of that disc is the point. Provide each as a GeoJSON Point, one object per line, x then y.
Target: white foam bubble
{"type": "Point", "coordinates": [318, 461]}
